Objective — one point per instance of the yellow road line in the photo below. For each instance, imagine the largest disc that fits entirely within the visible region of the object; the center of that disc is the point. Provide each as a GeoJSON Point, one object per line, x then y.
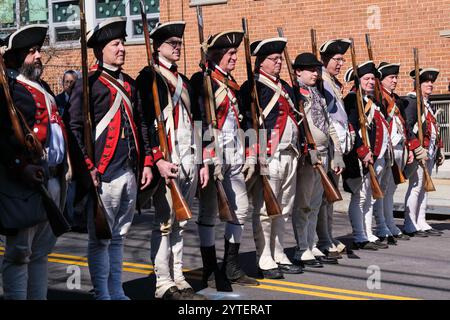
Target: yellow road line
{"type": "Point", "coordinates": [308, 293]}
{"type": "Point", "coordinates": [337, 290]}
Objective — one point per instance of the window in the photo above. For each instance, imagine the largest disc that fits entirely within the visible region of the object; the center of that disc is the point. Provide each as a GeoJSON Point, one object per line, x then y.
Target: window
{"type": "Point", "coordinates": [63, 17]}
{"type": "Point", "coordinates": [131, 9]}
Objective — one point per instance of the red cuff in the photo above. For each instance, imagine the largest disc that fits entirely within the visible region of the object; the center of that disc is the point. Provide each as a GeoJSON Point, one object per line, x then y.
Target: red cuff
{"type": "Point", "coordinates": [208, 153]}
{"type": "Point", "coordinates": [413, 144]}
{"type": "Point", "coordinates": [148, 161]}
{"type": "Point", "coordinates": [362, 151]}
{"type": "Point", "coordinates": [252, 151]}
{"type": "Point", "coordinates": [157, 154]}
{"type": "Point", "coordinates": [89, 163]}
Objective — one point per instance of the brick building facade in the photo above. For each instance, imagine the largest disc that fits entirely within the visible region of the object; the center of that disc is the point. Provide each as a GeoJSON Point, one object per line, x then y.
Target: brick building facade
{"type": "Point", "coordinates": [395, 28]}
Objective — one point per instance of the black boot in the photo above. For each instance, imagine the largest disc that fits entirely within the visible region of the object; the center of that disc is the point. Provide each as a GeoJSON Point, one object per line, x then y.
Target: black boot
{"type": "Point", "coordinates": [232, 267]}
{"type": "Point", "coordinates": [212, 276]}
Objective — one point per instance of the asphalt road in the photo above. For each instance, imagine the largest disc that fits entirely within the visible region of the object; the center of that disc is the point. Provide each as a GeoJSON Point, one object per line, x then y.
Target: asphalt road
{"type": "Point", "coordinates": [415, 269]}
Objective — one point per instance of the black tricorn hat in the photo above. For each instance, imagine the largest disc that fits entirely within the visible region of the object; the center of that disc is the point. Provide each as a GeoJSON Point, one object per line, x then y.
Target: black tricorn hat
{"type": "Point", "coordinates": [26, 37]}
{"type": "Point", "coordinates": [363, 69]}
{"type": "Point", "coordinates": [107, 30]}
{"type": "Point", "coordinates": [306, 59]}
{"type": "Point", "coordinates": [267, 47]}
{"type": "Point", "coordinates": [226, 39]}
{"type": "Point", "coordinates": [386, 69]}
{"type": "Point", "coordinates": [336, 46]}
{"type": "Point", "coordinates": [427, 74]}
{"type": "Point", "coordinates": [162, 32]}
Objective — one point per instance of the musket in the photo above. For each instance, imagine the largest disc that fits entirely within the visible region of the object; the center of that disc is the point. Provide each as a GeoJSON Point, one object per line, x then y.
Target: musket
{"type": "Point", "coordinates": [272, 206]}
{"type": "Point", "coordinates": [314, 44]}
{"type": "Point", "coordinates": [226, 212]}
{"type": "Point", "coordinates": [427, 181]}
{"type": "Point", "coordinates": [377, 193]}
{"type": "Point", "coordinates": [102, 228]}
{"type": "Point", "coordinates": [27, 138]}
{"type": "Point", "coordinates": [397, 173]}
{"type": "Point", "coordinates": [180, 206]}
{"type": "Point", "coordinates": [332, 193]}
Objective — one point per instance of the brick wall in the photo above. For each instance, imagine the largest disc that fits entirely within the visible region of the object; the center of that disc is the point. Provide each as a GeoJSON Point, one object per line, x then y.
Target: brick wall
{"type": "Point", "coordinates": [404, 24]}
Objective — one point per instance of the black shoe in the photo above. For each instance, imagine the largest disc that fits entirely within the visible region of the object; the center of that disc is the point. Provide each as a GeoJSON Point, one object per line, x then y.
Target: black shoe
{"type": "Point", "coordinates": [366, 245]}
{"type": "Point", "coordinates": [190, 294]}
{"type": "Point", "coordinates": [327, 260]}
{"type": "Point", "coordinates": [172, 294]}
{"type": "Point", "coordinates": [274, 273]}
{"type": "Point", "coordinates": [313, 263]}
{"type": "Point", "coordinates": [232, 267]}
{"type": "Point", "coordinates": [212, 276]}
{"type": "Point", "coordinates": [390, 240]}
{"type": "Point", "coordinates": [419, 234]}
{"type": "Point", "coordinates": [381, 245]}
{"type": "Point", "coordinates": [402, 236]}
{"type": "Point", "coordinates": [332, 254]}
{"type": "Point", "coordinates": [290, 268]}
{"type": "Point", "coordinates": [435, 231]}
{"type": "Point", "coordinates": [432, 233]}
{"type": "Point", "coordinates": [245, 280]}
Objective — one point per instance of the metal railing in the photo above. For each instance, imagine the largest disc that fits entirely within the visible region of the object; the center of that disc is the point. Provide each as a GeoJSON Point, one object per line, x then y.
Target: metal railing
{"type": "Point", "coordinates": [443, 119]}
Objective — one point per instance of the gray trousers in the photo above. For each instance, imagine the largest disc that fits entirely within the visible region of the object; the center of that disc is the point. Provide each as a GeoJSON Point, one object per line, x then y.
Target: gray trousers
{"type": "Point", "coordinates": [306, 210]}
{"type": "Point", "coordinates": [24, 268]}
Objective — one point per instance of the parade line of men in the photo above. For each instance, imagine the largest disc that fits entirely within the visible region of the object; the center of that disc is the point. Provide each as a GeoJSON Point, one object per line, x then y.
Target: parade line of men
{"type": "Point", "coordinates": [128, 158]}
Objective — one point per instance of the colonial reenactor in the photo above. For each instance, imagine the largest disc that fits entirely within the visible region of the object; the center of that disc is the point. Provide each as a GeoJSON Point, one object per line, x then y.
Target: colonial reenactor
{"type": "Point", "coordinates": [114, 104]}
{"type": "Point", "coordinates": [23, 219]}
{"type": "Point", "coordinates": [332, 56]}
{"type": "Point", "coordinates": [221, 53]}
{"type": "Point", "coordinates": [393, 105]}
{"type": "Point", "coordinates": [309, 194]}
{"type": "Point", "coordinates": [356, 176]}
{"type": "Point", "coordinates": [175, 100]}
{"type": "Point", "coordinates": [276, 99]}
{"type": "Point", "coordinates": [431, 151]}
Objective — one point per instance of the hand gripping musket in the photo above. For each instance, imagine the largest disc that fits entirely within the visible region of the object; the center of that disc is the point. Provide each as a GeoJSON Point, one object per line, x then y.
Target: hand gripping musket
{"type": "Point", "coordinates": [180, 206]}
{"type": "Point", "coordinates": [427, 181]}
{"type": "Point", "coordinates": [35, 151]}
{"type": "Point", "coordinates": [272, 205]}
{"type": "Point", "coordinates": [331, 192]}
{"type": "Point", "coordinates": [226, 212]}
{"type": "Point", "coordinates": [377, 193]}
{"type": "Point", "coordinates": [102, 228]}
{"type": "Point", "coordinates": [397, 173]}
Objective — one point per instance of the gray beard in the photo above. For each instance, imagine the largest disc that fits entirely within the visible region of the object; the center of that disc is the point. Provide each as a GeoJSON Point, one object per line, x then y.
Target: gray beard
{"type": "Point", "coordinates": [31, 71]}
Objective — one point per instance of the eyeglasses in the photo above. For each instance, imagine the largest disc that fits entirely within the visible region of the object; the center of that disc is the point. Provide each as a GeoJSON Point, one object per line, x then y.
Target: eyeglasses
{"type": "Point", "coordinates": [339, 60]}
{"type": "Point", "coordinates": [174, 44]}
{"type": "Point", "coordinates": [276, 59]}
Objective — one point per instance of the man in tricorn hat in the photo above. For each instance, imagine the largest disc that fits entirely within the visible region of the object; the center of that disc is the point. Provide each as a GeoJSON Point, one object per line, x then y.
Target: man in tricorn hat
{"type": "Point", "coordinates": [356, 176]}
{"type": "Point", "coordinates": [431, 151]}
{"type": "Point", "coordinates": [221, 54]}
{"type": "Point", "coordinates": [309, 194]}
{"type": "Point", "coordinates": [281, 150]}
{"type": "Point", "coordinates": [29, 237]}
{"type": "Point", "coordinates": [386, 229]}
{"type": "Point", "coordinates": [114, 171]}
{"type": "Point", "coordinates": [332, 56]}
{"type": "Point", "coordinates": [175, 100]}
